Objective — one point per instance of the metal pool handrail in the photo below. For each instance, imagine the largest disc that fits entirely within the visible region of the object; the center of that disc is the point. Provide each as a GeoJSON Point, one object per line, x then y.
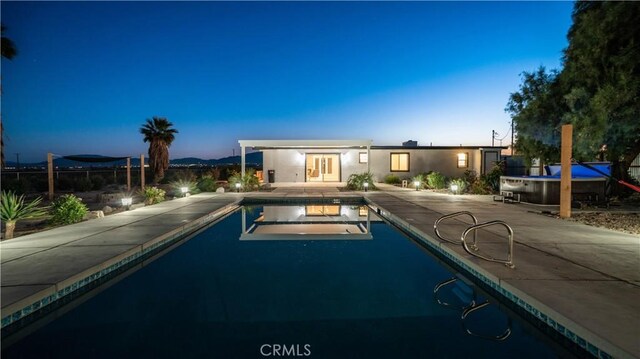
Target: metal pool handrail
{"type": "Point", "coordinates": [508, 262]}
{"type": "Point", "coordinates": [472, 308]}
{"type": "Point", "coordinates": [452, 215]}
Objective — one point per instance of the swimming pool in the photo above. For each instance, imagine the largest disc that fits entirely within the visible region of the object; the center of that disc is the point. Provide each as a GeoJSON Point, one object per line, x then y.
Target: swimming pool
{"type": "Point", "coordinates": [285, 281]}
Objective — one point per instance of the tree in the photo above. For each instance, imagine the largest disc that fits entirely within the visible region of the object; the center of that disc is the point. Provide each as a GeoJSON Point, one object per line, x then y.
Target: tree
{"type": "Point", "coordinates": [160, 135]}
{"type": "Point", "coordinates": [597, 90]}
{"type": "Point", "coordinates": [537, 111]}
{"type": "Point", "coordinates": [601, 65]}
{"type": "Point", "coordinates": [9, 51]}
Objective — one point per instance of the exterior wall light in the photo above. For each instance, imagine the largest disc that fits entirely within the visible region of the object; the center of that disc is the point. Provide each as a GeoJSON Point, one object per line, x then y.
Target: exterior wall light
{"type": "Point", "coordinates": [366, 186]}
{"type": "Point", "coordinates": [238, 187]}
{"type": "Point", "coordinates": [126, 202]}
{"type": "Point", "coordinates": [417, 184]}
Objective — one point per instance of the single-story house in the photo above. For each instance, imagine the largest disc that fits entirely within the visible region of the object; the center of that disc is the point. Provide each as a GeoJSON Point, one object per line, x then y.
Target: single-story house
{"type": "Point", "coordinates": [336, 160]}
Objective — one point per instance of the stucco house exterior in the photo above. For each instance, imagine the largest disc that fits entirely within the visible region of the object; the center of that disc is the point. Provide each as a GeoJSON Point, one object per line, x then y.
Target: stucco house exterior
{"type": "Point", "coordinates": [336, 160]}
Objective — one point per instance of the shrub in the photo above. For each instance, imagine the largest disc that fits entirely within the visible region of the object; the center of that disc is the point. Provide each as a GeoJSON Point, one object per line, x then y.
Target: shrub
{"type": "Point", "coordinates": [461, 183]}
{"type": "Point", "coordinates": [249, 182]}
{"type": "Point", "coordinates": [392, 179]}
{"type": "Point", "coordinates": [213, 173]}
{"type": "Point", "coordinates": [436, 180]}
{"type": "Point", "coordinates": [64, 183]}
{"type": "Point", "coordinates": [492, 178]}
{"type": "Point", "coordinates": [68, 209]}
{"type": "Point", "coordinates": [357, 180]}
{"type": "Point", "coordinates": [480, 187]}
{"type": "Point", "coordinates": [421, 179]}
{"type": "Point", "coordinates": [98, 182]}
{"type": "Point", "coordinates": [177, 186]}
{"type": "Point", "coordinates": [83, 185]}
{"type": "Point", "coordinates": [13, 209]}
{"type": "Point", "coordinates": [153, 195]}
{"type": "Point", "coordinates": [207, 184]}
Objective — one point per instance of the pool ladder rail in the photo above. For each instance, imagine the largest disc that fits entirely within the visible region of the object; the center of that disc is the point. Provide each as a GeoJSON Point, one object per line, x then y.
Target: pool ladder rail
{"type": "Point", "coordinates": [472, 247]}
{"type": "Point", "coordinates": [473, 306]}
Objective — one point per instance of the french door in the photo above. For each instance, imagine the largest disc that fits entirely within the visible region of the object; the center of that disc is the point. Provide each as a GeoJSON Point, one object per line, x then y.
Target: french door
{"type": "Point", "coordinates": [322, 167]}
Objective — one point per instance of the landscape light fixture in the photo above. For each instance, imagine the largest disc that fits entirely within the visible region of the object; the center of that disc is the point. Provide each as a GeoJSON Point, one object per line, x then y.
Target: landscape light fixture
{"type": "Point", "coordinates": [366, 186]}
{"type": "Point", "coordinates": [454, 188]}
{"type": "Point", "coordinates": [238, 187]}
{"type": "Point", "coordinates": [417, 184]}
{"type": "Point", "coordinates": [126, 202]}
{"type": "Point", "coordinates": [184, 190]}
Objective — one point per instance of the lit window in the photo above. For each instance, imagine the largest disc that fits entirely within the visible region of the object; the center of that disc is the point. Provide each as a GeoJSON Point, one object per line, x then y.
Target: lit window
{"type": "Point", "coordinates": [463, 160]}
{"type": "Point", "coordinates": [399, 162]}
{"type": "Point", "coordinates": [364, 157]}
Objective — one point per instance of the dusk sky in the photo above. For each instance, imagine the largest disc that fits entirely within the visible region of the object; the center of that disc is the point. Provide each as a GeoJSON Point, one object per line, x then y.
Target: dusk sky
{"type": "Point", "coordinates": [88, 74]}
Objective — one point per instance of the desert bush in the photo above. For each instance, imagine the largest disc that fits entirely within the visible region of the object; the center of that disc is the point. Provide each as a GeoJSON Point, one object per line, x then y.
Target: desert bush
{"type": "Point", "coordinates": [357, 180]}
{"type": "Point", "coordinates": [83, 185]}
{"type": "Point", "coordinates": [436, 180]}
{"type": "Point", "coordinates": [18, 186]}
{"type": "Point", "coordinates": [249, 182]}
{"type": "Point", "coordinates": [421, 178]}
{"type": "Point", "coordinates": [461, 183]}
{"type": "Point", "coordinates": [98, 182]}
{"type": "Point", "coordinates": [64, 184]}
{"type": "Point", "coordinates": [213, 173]}
{"type": "Point", "coordinates": [153, 195]}
{"type": "Point", "coordinates": [207, 184]}
{"type": "Point", "coordinates": [492, 178]}
{"type": "Point", "coordinates": [392, 179]}
{"type": "Point", "coordinates": [176, 187]}
{"type": "Point", "coordinates": [68, 209]}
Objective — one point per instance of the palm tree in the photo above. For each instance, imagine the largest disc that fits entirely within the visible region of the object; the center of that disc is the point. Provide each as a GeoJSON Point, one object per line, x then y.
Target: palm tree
{"type": "Point", "coordinates": [9, 51]}
{"type": "Point", "coordinates": [159, 134]}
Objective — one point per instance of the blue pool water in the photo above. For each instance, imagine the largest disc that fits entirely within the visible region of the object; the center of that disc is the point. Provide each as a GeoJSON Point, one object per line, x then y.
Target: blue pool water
{"type": "Point", "coordinates": [218, 296]}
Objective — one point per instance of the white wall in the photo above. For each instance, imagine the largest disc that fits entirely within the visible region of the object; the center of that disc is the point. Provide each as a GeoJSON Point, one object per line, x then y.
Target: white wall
{"type": "Point", "coordinates": [290, 164]}
{"type": "Point", "coordinates": [444, 161]}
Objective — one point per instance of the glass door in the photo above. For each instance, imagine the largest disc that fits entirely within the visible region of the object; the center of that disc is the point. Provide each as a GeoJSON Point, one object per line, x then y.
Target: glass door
{"type": "Point", "coordinates": [322, 167]}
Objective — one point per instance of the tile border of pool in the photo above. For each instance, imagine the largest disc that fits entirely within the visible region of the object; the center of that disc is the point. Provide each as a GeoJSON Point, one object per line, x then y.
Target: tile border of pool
{"type": "Point", "coordinates": [33, 303]}
{"type": "Point", "coordinates": [590, 342]}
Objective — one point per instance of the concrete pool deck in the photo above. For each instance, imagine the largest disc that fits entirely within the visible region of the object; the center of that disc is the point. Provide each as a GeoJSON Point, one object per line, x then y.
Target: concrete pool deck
{"type": "Point", "coordinates": [587, 275]}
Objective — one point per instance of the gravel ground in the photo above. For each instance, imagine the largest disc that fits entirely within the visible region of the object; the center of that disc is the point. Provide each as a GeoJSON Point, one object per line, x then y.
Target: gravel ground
{"type": "Point", "coordinates": [623, 222]}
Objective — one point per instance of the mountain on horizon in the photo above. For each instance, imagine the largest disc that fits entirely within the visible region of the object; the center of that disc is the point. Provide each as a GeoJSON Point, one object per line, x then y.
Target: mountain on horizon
{"type": "Point", "coordinates": [253, 158]}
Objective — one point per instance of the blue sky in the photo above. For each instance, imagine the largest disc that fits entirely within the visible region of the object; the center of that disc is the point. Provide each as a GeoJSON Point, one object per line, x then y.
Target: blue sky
{"type": "Point", "coordinates": [88, 74]}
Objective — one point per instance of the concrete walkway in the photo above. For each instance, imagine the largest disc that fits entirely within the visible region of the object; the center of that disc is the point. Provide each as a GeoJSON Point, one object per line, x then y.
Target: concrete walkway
{"type": "Point", "coordinates": [586, 275]}
{"type": "Point", "coordinates": [38, 265]}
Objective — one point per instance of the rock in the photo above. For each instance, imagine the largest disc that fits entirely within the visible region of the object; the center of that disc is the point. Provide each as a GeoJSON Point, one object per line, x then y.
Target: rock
{"type": "Point", "coordinates": [94, 215]}
{"type": "Point", "coordinates": [107, 209]}
{"type": "Point", "coordinates": [220, 190]}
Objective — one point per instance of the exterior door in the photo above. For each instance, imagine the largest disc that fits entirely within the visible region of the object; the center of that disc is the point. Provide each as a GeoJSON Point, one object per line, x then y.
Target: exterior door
{"type": "Point", "coordinates": [322, 167]}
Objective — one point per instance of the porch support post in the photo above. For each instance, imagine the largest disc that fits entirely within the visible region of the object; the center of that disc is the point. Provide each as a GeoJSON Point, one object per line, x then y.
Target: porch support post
{"type": "Point", "coordinates": [50, 174]}
{"type": "Point", "coordinates": [128, 174]}
{"type": "Point", "coordinates": [368, 158]}
{"type": "Point", "coordinates": [242, 164]}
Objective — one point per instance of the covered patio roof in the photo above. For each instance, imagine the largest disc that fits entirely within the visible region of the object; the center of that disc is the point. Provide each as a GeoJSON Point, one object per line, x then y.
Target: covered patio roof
{"type": "Point", "coordinates": [283, 144]}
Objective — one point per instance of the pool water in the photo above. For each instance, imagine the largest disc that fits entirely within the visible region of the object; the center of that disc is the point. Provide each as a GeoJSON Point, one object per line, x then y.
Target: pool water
{"type": "Point", "coordinates": [218, 296]}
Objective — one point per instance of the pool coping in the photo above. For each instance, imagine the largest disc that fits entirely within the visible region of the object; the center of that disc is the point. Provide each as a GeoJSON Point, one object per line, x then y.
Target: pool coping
{"type": "Point", "coordinates": [577, 334]}
{"type": "Point", "coordinates": [586, 339]}
{"type": "Point", "coordinates": [55, 292]}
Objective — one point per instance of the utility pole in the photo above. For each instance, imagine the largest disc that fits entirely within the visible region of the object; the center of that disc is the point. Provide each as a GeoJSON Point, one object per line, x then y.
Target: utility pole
{"type": "Point", "coordinates": [511, 137]}
{"type": "Point", "coordinates": [493, 137]}
{"type": "Point", "coordinates": [17, 161]}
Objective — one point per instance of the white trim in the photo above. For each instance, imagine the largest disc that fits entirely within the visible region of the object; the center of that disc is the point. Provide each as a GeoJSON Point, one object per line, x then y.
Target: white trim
{"type": "Point", "coordinates": [274, 144]}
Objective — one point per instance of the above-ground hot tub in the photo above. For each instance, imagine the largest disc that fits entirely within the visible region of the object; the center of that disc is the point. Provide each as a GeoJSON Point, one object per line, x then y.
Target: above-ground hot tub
{"type": "Point", "coordinates": [586, 184]}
